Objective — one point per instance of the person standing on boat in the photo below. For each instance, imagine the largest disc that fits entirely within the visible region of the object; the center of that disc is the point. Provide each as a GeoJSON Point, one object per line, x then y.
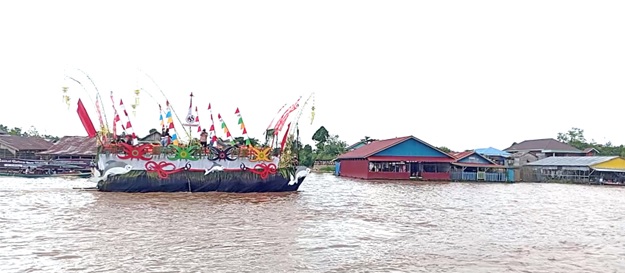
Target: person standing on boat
{"type": "Point", "coordinates": [165, 138]}
{"type": "Point", "coordinates": [204, 138]}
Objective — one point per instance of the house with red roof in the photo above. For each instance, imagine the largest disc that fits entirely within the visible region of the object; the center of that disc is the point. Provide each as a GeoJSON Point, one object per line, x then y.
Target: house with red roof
{"type": "Point", "coordinates": [396, 158]}
{"type": "Point", "coordinates": [473, 166]}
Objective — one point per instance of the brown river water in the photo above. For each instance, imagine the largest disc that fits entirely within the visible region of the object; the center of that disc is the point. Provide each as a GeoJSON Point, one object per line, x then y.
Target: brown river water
{"type": "Point", "coordinates": [330, 225]}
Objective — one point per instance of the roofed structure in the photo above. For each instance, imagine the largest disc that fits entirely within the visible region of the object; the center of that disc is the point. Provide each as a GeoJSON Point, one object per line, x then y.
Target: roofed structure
{"type": "Point", "coordinates": [22, 143]}
{"type": "Point", "coordinates": [22, 147]}
{"type": "Point", "coordinates": [355, 145]}
{"type": "Point", "coordinates": [582, 169]}
{"type": "Point", "coordinates": [572, 161]}
{"type": "Point", "coordinates": [396, 158]}
{"type": "Point", "coordinates": [545, 145]}
{"type": "Point", "coordinates": [490, 151]}
{"type": "Point", "coordinates": [474, 159]}
{"type": "Point", "coordinates": [72, 147]}
{"type": "Point", "coordinates": [372, 150]}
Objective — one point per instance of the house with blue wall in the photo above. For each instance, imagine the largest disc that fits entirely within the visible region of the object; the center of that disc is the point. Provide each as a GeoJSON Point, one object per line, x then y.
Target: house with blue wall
{"type": "Point", "coordinates": [396, 158]}
{"type": "Point", "coordinates": [473, 166]}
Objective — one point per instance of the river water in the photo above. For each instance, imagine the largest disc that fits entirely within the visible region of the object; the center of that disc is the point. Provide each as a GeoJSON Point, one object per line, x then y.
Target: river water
{"type": "Point", "coordinates": [331, 225]}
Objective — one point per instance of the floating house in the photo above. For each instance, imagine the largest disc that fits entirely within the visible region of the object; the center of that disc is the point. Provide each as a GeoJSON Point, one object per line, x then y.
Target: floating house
{"type": "Point", "coordinates": [581, 169]}
{"type": "Point", "coordinates": [396, 158]}
{"type": "Point", "coordinates": [472, 166]}
{"type": "Point", "coordinates": [22, 147]}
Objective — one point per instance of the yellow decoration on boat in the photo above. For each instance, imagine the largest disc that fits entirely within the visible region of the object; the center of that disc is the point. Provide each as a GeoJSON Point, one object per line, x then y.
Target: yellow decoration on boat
{"type": "Point", "coordinates": [66, 98]}
{"type": "Point", "coordinates": [260, 154]}
{"type": "Point", "coordinates": [134, 105]}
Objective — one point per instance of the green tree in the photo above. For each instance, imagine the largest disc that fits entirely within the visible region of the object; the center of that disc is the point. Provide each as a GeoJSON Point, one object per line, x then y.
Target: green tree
{"type": "Point", "coordinates": [16, 131]}
{"type": "Point", "coordinates": [575, 137]}
{"type": "Point", "coordinates": [367, 140]}
{"type": "Point", "coordinates": [444, 149]}
{"type": "Point", "coordinates": [306, 156]}
{"type": "Point", "coordinates": [320, 136]}
{"type": "Point", "coordinates": [32, 131]}
{"type": "Point", "coordinates": [332, 148]}
{"type": "Point", "coordinates": [241, 141]}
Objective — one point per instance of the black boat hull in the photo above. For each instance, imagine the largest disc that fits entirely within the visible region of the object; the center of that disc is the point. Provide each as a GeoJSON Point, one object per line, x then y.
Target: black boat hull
{"type": "Point", "coordinates": [188, 181]}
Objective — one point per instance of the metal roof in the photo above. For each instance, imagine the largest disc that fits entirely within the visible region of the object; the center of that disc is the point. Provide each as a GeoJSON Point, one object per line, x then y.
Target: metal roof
{"type": "Point", "coordinates": [610, 170]}
{"type": "Point", "coordinates": [22, 143]}
{"type": "Point", "coordinates": [381, 145]}
{"type": "Point", "coordinates": [585, 161]}
{"type": "Point", "coordinates": [490, 151]}
{"type": "Point", "coordinates": [73, 145]}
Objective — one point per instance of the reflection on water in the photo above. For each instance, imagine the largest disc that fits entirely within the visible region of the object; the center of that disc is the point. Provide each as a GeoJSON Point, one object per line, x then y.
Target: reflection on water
{"type": "Point", "coordinates": [330, 225]}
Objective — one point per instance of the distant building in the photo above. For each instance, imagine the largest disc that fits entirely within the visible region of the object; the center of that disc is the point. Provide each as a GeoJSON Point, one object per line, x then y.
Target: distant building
{"type": "Point", "coordinates": [153, 137]}
{"type": "Point", "coordinates": [22, 147]}
{"type": "Point", "coordinates": [72, 147]}
{"type": "Point", "coordinates": [396, 158]}
{"type": "Point", "coordinates": [355, 146]}
{"type": "Point", "coordinates": [522, 158]}
{"type": "Point", "coordinates": [542, 148]}
{"type": "Point", "coordinates": [591, 151]}
{"type": "Point", "coordinates": [359, 144]}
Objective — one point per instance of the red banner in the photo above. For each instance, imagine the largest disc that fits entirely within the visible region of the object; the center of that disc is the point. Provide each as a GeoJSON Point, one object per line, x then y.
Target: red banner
{"type": "Point", "coordinates": [86, 121]}
{"type": "Point", "coordinates": [286, 134]}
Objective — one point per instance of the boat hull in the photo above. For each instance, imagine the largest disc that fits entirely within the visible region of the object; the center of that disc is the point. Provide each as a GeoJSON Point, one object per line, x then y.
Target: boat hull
{"type": "Point", "coordinates": [182, 173]}
{"type": "Point", "coordinates": [189, 181]}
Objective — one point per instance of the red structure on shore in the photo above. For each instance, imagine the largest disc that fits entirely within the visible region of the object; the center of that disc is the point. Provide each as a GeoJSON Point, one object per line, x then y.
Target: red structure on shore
{"type": "Point", "coordinates": [396, 158]}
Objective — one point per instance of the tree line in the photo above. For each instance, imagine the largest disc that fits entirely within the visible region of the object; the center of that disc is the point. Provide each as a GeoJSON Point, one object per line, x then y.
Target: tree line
{"type": "Point", "coordinates": [327, 147]}
{"type": "Point", "coordinates": [575, 137]}
{"type": "Point", "coordinates": [31, 132]}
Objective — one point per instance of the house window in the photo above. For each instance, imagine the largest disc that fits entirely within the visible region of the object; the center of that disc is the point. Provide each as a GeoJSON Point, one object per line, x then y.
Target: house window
{"type": "Point", "coordinates": [394, 167]}
{"type": "Point", "coordinates": [435, 167]}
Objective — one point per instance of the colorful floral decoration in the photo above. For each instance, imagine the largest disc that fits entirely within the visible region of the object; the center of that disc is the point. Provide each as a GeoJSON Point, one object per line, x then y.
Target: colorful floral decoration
{"type": "Point", "coordinates": [227, 154]}
{"type": "Point", "coordinates": [260, 154]}
{"type": "Point", "coordinates": [135, 152]}
{"type": "Point", "coordinates": [164, 168]}
{"type": "Point", "coordinates": [262, 169]}
{"type": "Point", "coordinates": [185, 153]}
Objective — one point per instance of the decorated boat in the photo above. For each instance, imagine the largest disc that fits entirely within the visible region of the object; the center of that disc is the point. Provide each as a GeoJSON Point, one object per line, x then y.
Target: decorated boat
{"type": "Point", "coordinates": [205, 164]}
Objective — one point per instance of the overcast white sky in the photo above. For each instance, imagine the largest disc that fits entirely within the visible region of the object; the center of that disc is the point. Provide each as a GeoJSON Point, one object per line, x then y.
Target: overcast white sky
{"type": "Point", "coordinates": [461, 74]}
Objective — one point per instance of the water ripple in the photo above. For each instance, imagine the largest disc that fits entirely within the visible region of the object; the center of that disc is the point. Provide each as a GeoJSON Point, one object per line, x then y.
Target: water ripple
{"type": "Point", "coordinates": [331, 225]}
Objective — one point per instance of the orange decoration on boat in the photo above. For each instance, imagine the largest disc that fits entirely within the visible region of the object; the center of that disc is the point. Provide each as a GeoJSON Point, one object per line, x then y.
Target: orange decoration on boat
{"type": "Point", "coordinates": [262, 154]}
